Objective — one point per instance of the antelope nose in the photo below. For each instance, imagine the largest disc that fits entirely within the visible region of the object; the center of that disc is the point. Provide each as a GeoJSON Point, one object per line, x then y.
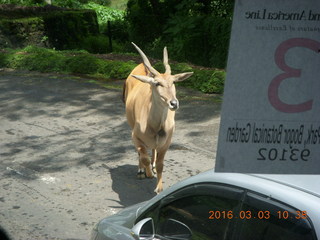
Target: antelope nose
{"type": "Point", "coordinates": [174, 104]}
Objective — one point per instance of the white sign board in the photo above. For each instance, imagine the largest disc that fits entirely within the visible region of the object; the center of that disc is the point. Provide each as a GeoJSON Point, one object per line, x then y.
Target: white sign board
{"type": "Point", "coordinates": [270, 120]}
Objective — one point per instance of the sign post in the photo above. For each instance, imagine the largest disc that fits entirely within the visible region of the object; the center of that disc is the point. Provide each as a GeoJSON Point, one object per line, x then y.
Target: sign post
{"type": "Point", "coordinates": [270, 121]}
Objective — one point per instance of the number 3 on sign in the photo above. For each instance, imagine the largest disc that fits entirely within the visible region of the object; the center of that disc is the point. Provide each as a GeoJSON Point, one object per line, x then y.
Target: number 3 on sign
{"type": "Point", "coordinates": [289, 72]}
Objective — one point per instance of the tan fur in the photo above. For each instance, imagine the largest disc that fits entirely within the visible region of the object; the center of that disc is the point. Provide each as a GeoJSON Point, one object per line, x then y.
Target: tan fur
{"type": "Point", "coordinates": [150, 113]}
{"type": "Point", "coordinates": [146, 122]}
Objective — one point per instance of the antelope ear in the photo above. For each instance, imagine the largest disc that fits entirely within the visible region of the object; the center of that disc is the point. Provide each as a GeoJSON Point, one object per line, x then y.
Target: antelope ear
{"type": "Point", "coordinates": [181, 76]}
{"type": "Point", "coordinates": [145, 79]}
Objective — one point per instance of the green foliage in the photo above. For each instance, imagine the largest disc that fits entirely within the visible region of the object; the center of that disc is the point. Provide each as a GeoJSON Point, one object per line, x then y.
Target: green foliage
{"type": "Point", "coordinates": [67, 30]}
{"type": "Point", "coordinates": [116, 69]}
{"type": "Point", "coordinates": [119, 32]}
{"type": "Point", "coordinates": [119, 4]}
{"type": "Point", "coordinates": [23, 2]}
{"type": "Point", "coordinates": [175, 67]}
{"type": "Point", "coordinates": [209, 81]}
{"type": "Point", "coordinates": [102, 2]}
{"type": "Point", "coordinates": [181, 67]}
{"type": "Point", "coordinates": [206, 80]}
{"type": "Point", "coordinates": [80, 62]}
{"type": "Point", "coordinates": [66, 3]}
{"type": "Point", "coordinates": [95, 44]}
{"type": "Point", "coordinates": [144, 24]}
{"type": "Point", "coordinates": [196, 31]}
{"type": "Point", "coordinates": [60, 3]}
{"type": "Point", "coordinates": [35, 59]}
{"type": "Point", "coordinates": [202, 40]}
{"type": "Point", "coordinates": [3, 59]}
{"type": "Point", "coordinates": [104, 13]}
{"type": "Point", "coordinates": [115, 17]}
{"type": "Point", "coordinates": [61, 29]}
{"type": "Point", "coordinates": [21, 32]}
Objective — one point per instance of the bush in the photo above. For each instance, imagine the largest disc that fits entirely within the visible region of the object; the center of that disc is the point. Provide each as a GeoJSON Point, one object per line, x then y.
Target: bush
{"type": "Point", "coordinates": [113, 18]}
{"type": "Point", "coordinates": [175, 67]}
{"type": "Point", "coordinates": [35, 59]}
{"type": "Point", "coordinates": [102, 2]}
{"type": "Point", "coordinates": [104, 13]}
{"type": "Point", "coordinates": [23, 2]}
{"type": "Point", "coordinates": [3, 59]}
{"type": "Point", "coordinates": [119, 30]}
{"type": "Point", "coordinates": [67, 30]}
{"type": "Point", "coordinates": [46, 26]}
{"type": "Point", "coordinates": [144, 25]}
{"type": "Point", "coordinates": [21, 32]}
{"type": "Point", "coordinates": [194, 31]}
{"type": "Point", "coordinates": [213, 84]}
{"type": "Point", "coordinates": [95, 44]}
{"type": "Point", "coordinates": [206, 81]}
{"type": "Point", "coordinates": [116, 69]}
{"type": "Point", "coordinates": [202, 40]}
{"type": "Point", "coordinates": [80, 62]}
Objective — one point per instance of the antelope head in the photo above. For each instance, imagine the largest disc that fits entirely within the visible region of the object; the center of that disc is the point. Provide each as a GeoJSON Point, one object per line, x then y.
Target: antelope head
{"type": "Point", "coordinates": [163, 88]}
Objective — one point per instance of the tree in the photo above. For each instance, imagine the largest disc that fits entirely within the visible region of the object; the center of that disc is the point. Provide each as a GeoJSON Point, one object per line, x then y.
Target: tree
{"type": "Point", "coordinates": [194, 30]}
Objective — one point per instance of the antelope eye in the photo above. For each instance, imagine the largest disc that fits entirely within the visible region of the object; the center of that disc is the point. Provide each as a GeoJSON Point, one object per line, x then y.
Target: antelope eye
{"type": "Point", "coordinates": [158, 84]}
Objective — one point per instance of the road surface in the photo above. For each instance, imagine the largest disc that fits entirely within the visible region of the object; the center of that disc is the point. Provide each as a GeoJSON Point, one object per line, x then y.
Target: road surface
{"type": "Point", "coordinates": [67, 159]}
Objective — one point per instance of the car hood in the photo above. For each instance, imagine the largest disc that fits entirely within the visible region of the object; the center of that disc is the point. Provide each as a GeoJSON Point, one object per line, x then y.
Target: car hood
{"type": "Point", "coordinates": [125, 217]}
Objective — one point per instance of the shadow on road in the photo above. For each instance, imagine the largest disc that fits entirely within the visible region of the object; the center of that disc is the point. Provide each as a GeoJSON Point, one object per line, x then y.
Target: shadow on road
{"type": "Point", "coordinates": [51, 124]}
{"type": "Point", "coordinates": [130, 189]}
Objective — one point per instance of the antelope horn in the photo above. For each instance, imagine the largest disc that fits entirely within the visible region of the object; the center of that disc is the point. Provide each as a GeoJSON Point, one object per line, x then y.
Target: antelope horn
{"type": "Point", "coordinates": [165, 61]}
{"type": "Point", "coordinates": [146, 61]}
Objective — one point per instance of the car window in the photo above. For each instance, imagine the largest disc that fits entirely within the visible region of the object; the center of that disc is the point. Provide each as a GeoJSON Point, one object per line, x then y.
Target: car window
{"type": "Point", "coordinates": [206, 211]}
{"type": "Point", "coordinates": [266, 219]}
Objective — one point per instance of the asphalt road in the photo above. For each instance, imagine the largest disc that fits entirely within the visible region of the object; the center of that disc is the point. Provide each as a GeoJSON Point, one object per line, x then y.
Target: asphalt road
{"type": "Point", "coordinates": [67, 159]}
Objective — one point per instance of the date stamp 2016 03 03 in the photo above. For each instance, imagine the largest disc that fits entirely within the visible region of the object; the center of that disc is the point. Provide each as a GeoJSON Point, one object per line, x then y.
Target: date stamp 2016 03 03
{"type": "Point", "coordinates": [257, 215]}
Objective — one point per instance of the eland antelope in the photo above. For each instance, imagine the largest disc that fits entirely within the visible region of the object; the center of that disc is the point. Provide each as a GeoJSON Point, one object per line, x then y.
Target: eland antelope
{"type": "Point", "coordinates": [151, 102]}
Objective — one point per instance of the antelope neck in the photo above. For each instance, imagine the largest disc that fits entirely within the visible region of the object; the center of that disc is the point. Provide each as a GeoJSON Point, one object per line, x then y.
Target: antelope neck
{"type": "Point", "coordinates": [158, 114]}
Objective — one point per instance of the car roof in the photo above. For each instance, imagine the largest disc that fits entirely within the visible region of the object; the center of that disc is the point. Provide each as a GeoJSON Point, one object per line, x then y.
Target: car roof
{"type": "Point", "coordinates": [305, 183]}
{"type": "Point", "coordinates": [301, 191]}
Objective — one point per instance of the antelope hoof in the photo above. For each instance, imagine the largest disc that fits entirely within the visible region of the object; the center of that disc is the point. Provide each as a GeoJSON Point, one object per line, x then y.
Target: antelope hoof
{"type": "Point", "coordinates": [154, 170]}
{"type": "Point", "coordinates": [141, 174]}
{"type": "Point", "coordinates": [149, 174]}
{"type": "Point", "coordinates": [158, 190]}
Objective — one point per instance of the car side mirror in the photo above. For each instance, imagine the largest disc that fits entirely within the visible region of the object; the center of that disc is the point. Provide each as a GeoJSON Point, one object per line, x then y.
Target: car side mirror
{"type": "Point", "coordinates": [175, 230]}
{"type": "Point", "coordinates": [144, 229]}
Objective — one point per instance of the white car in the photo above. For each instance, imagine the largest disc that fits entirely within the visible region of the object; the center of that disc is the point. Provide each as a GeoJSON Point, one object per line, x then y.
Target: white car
{"type": "Point", "coordinates": [231, 206]}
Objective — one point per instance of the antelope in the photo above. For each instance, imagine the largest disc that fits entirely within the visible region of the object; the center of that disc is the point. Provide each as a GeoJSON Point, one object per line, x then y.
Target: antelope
{"type": "Point", "coordinates": [150, 101]}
